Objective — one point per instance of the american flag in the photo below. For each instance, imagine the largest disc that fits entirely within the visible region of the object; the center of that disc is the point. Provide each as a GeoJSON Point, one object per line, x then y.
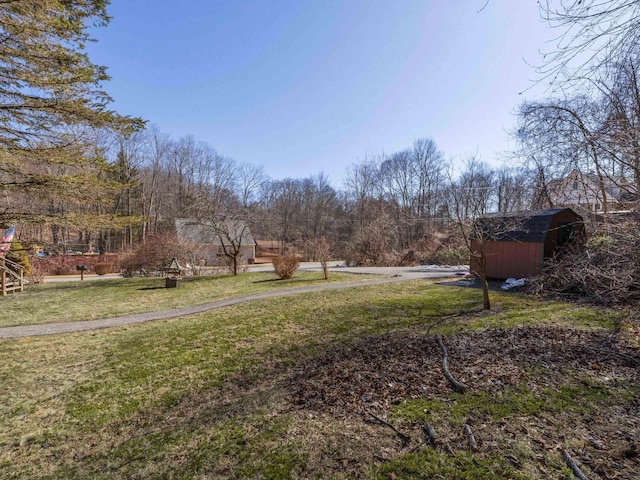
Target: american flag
{"type": "Point", "coordinates": [5, 241]}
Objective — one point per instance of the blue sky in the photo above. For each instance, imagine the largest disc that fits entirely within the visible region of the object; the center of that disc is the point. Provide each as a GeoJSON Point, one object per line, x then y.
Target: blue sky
{"type": "Point", "coordinates": [303, 87]}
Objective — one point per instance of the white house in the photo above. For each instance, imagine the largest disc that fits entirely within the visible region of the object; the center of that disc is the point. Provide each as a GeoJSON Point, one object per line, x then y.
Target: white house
{"type": "Point", "coordinates": [589, 192]}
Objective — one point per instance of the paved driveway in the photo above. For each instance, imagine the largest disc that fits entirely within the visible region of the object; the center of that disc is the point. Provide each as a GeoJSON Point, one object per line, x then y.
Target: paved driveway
{"type": "Point", "coordinates": [421, 271]}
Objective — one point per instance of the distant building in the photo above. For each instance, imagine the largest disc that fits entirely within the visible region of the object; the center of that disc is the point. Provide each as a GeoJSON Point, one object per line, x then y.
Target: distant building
{"type": "Point", "coordinates": [209, 238]}
{"type": "Point", "coordinates": [587, 192]}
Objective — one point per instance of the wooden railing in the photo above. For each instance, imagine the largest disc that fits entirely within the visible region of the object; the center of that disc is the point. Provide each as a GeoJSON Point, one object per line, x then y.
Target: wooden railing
{"type": "Point", "coordinates": [11, 277]}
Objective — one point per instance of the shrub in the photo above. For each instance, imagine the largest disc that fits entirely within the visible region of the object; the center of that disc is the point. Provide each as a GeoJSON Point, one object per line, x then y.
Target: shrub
{"type": "Point", "coordinates": [409, 259]}
{"type": "Point", "coordinates": [60, 265]}
{"type": "Point", "coordinates": [285, 267]}
{"type": "Point", "coordinates": [66, 264]}
{"type": "Point", "coordinates": [151, 257]}
{"type": "Point", "coordinates": [19, 255]}
{"type": "Point", "coordinates": [38, 270]}
{"type": "Point", "coordinates": [102, 268]}
{"type": "Point", "coordinates": [445, 247]}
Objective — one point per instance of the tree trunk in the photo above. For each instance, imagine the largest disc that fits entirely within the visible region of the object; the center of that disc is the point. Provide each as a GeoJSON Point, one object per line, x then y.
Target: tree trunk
{"type": "Point", "coordinates": [483, 278]}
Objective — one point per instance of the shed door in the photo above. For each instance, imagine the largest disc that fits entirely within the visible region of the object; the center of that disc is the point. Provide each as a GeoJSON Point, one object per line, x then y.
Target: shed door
{"type": "Point", "coordinates": [566, 231]}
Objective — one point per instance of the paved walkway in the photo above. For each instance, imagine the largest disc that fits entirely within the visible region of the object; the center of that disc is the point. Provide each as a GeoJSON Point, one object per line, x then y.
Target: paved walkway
{"type": "Point", "coordinates": [398, 274]}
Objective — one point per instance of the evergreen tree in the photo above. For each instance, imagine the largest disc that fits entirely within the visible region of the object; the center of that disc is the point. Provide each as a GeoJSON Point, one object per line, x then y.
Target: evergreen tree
{"type": "Point", "coordinates": [52, 106]}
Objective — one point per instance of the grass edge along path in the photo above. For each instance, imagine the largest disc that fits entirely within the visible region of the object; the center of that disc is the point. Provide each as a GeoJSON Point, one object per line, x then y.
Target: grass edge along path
{"type": "Point", "coordinates": [88, 325]}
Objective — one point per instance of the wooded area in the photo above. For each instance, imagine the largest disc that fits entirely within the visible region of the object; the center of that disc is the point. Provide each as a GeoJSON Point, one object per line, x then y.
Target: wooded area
{"type": "Point", "coordinates": [78, 177]}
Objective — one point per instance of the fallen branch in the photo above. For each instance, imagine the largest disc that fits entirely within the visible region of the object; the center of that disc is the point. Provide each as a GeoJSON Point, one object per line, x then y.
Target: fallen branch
{"type": "Point", "coordinates": [455, 384]}
{"type": "Point", "coordinates": [471, 441]}
{"type": "Point", "coordinates": [431, 438]}
{"type": "Point", "coordinates": [573, 465]}
{"type": "Point", "coordinates": [122, 465]}
{"type": "Point", "coordinates": [429, 434]}
{"type": "Point", "coordinates": [404, 437]}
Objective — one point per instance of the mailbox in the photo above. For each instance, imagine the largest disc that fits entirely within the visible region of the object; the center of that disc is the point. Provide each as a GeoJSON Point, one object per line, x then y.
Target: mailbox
{"type": "Point", "coordinates": [81, 268]}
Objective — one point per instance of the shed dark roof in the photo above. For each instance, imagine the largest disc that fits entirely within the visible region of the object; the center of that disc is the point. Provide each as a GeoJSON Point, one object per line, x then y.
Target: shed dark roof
{"type": "Point", "coordinates": [530, 226]}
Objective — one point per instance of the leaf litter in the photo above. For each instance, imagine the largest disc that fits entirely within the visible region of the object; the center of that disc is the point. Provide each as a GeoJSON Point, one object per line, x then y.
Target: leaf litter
{"type": "Point", "coordinates": [592, 375]}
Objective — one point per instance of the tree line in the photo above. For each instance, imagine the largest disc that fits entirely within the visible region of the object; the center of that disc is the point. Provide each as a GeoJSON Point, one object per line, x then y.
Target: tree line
{"type": "Point", "coordinates": [387, 206]}
{"type": "Point", "coordinates": [74, 172]}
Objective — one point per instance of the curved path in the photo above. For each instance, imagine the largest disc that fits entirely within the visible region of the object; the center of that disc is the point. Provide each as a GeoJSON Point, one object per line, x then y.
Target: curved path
{"type": "Point", "coordinates": [82, 326]}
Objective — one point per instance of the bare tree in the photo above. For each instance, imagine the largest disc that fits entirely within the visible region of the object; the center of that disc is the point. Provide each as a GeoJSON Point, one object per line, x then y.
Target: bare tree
{"type": "Point", "coordinates": [592, 34]}
{"type": "Point", "coordinates": [233, 233]}
{"type": "Point", "coordinates": [595, 133]}
{"type": "Point", "coordinates": [514, 189]}
{"type": "Point", "coordinates": [157, 148]}
{"type": "Point", "coordinates": [323, 254]}
{"type": "Point", "coordinates": [129, 159]}
{"type": "Point", "coordinates": [374, 242]}
{"type": "Point", "coordinates": [429, 169]}
{"type": "Point", "coordinates": [364, 191]}
{"type": "Point", "coordinates": [471, 197]}
{"type": "Point", "coordinates": [404, 188]}
{"type": "Point", "coordinates": [250, 179]}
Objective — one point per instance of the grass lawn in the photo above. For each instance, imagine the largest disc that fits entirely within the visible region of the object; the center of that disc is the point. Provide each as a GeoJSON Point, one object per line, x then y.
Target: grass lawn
{"type": "Point", "coordinates": [295, 387]}
{"type": "Point", "coordinates": [93, 299]}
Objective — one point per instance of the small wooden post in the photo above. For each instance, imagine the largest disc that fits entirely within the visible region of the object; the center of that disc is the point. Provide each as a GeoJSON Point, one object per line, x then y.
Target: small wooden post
{"type": "Point", "coordinates": [4, 281]}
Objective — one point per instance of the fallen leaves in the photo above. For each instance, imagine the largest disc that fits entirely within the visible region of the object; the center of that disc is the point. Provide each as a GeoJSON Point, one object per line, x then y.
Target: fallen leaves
{"type": "Point", "coordinates": [373, 374]}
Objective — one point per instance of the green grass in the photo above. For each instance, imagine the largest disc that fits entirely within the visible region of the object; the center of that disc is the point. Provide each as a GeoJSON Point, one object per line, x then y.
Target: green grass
{"type": "Point", "coordinates": [433, 464]}
{"type": "Point", "coordinates": [93, 299]}
{"type": "Point", "coordinates": [512, 402]}
{"type": "Point", "coordinates": [203, 396]}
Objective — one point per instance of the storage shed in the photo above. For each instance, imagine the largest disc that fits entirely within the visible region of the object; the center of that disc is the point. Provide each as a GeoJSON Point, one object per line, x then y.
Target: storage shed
{"type": "Point", "coordinates": [517, 244]}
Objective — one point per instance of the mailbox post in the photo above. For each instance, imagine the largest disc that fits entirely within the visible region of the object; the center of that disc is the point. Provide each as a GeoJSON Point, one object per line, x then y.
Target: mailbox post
{"type": "Point", "coordinates": [173, 274]}
{"type": "Point", "coordinates": [81, 269]}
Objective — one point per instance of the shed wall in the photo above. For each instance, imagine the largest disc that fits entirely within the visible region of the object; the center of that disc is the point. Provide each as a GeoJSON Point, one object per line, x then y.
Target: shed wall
{"type": "Point", "coordinates": [510, 259]}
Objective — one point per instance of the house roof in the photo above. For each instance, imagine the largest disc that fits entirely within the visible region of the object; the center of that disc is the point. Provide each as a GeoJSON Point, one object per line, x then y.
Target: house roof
{"type": "Point", "coordinates": [206, 232]}
{"type": "Point", "coordinates": [529, 226]}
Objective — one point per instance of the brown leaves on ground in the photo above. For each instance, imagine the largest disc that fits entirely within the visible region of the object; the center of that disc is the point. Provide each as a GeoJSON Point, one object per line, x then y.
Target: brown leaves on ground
{"type": "Point", "coordinates": [382, 371]}
{"type": "Point", "coordinates": [376, 373]}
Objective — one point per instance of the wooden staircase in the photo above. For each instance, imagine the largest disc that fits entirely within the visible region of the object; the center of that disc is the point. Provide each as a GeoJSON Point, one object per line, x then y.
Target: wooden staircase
{"type": "Point", "coordinates": [11, 277]}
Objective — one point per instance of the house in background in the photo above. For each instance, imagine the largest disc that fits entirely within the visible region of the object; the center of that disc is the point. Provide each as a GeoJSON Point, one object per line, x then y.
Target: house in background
{"type": "Point", "coordinates": [586, 192]}
{"type": "Point", "coordinates": [211, 237]}
{"type": "Point", "coordinates": [516, 245]}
